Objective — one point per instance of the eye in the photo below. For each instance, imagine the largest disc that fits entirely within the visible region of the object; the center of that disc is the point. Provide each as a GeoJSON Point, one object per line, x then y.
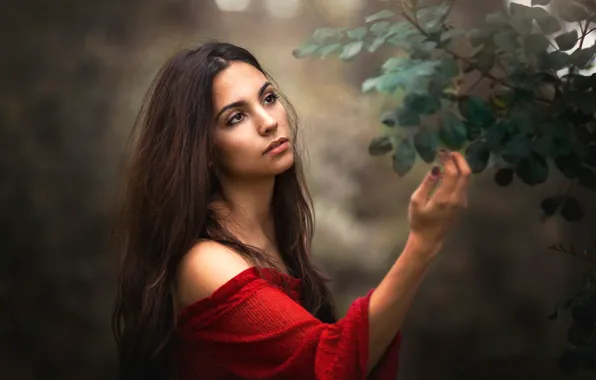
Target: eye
{"type": "Point", "coordinates": [236, 118]}
{"type": "Point", "coordinates": [271, 98]}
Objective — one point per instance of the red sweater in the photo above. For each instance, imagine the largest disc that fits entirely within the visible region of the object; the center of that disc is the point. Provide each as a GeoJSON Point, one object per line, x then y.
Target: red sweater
{"type": "Point", "coordinates": [251, 329]}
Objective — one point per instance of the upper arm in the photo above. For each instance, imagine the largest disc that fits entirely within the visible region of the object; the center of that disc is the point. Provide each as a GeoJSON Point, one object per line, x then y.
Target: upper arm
{"type": "Point", "coordinates": [204, 269]}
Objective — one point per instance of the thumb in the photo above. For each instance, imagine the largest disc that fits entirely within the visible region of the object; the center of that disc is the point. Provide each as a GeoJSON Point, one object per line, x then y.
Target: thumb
{"type": "Point", "coordinates": [422, 193]}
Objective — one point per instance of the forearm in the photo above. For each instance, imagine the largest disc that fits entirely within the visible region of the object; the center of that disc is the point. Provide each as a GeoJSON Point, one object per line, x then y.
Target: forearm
{"type": "Point", "coordinates": [391, 300]}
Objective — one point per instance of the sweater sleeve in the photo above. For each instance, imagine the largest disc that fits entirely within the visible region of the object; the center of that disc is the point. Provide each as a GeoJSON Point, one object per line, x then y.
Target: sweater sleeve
{"type": "Point", "coordinates": [253, 330]}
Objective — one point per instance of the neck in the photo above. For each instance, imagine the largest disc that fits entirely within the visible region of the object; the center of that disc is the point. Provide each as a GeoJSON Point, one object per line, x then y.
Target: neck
{"type": "Point", "coordinates": [247, 209]}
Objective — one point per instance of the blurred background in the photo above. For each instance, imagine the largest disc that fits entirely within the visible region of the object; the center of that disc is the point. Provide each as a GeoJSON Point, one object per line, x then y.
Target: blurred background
{"type": "Point", "coordinates": [73, 75]}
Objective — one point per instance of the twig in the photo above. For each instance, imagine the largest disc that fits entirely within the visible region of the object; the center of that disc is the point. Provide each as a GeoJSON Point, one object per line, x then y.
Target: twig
{"type": "Point", "coordinates": [590, 31]}
{"type": "Point", "coordinates": [502, 67]}
{"type": "Point", "coordinates": [560, 248]}
{"type": "Point", "coordinates": [584, 33]}
{"type": "Point", "coordinates": [469, 61]}
{"type": "Point", "coordinates": [476, 83]}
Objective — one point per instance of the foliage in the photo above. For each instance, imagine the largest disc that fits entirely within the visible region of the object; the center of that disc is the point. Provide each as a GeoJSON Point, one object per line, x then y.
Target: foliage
{"type": "Point", "coordinates": [537, 116]}
{"type": "Point", "coordinates": [581, 335]}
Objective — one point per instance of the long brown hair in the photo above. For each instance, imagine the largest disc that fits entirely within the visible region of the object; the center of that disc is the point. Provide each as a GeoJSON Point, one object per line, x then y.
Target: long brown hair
{"type": "Point", "coordinates": [164, 208]}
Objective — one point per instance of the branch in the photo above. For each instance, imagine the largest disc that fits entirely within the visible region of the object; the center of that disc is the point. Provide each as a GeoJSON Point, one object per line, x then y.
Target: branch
{"type": "Point", "coordinates": [584, 31]}
{"type": "Point", "coordinates": [471, 63]}
{"type": "Point", "coordinates": [590, 31]}
{"type": "Point", "coordinates": [473, 86]}
{"type": "Point", "coordinates": [571, 251]}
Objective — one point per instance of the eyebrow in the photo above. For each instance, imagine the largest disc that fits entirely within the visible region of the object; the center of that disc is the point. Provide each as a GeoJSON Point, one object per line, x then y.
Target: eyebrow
{"type": "Point", "coordinates": [241, 102]}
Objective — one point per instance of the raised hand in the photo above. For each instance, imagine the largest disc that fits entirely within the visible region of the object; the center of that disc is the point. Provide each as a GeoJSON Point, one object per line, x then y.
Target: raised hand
{"type": "Point", "coordinates": [432, 215]}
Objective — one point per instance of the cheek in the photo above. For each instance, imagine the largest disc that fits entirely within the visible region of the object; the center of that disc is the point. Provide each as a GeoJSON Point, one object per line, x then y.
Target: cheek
{"type": "Point", "coordinates": [281, 116]}
{"type": "Point", "coordinates": [235, 152]}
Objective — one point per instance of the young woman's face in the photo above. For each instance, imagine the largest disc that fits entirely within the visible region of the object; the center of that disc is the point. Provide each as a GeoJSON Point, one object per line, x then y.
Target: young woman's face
{"type": "Point", "coordinates": [248, 119]}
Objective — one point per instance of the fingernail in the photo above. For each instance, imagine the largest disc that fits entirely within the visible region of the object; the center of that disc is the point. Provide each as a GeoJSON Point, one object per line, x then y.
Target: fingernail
{"type": "Point", "coordinates": [435, 171]}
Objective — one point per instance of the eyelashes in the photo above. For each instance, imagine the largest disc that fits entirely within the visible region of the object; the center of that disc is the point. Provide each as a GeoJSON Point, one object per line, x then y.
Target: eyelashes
{"type": "Point", "coordinates": [269, 99]}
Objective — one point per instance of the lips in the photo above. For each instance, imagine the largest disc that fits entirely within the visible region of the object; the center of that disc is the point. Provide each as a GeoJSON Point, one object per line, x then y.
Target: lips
{"type": "Point", "coordinates": [275, 144]}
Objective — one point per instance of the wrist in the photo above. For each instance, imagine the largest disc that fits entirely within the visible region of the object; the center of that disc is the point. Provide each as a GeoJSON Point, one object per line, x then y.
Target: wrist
{"type": "Point", "coordinates": [423, 246]}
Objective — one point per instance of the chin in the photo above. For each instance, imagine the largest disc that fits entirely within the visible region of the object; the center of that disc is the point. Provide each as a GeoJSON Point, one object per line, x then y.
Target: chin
{"type": "Point", "coordinates": [284, 163]}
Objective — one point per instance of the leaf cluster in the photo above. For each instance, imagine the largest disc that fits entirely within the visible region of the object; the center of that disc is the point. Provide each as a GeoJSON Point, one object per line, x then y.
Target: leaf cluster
{"type": "Point", "coordinates": [581, 334]}
{"type": "Point", "coordinates": [538, 117]}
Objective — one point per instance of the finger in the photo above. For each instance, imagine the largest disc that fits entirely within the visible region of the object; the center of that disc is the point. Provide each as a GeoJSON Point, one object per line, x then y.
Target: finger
{"type": "Point", "coordinates": [422, 193]}
{"type": "Point", "coordinates": [450, 177]}
{"type": "Point", "coordinates": [463, 182]}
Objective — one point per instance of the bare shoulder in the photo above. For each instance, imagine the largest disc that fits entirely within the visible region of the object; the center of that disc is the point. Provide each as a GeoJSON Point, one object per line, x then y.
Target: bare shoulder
{"type": "Point", "coordinates": [204, 269]}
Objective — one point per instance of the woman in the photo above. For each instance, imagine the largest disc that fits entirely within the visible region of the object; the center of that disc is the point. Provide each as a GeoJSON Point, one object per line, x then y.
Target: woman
{"type": "Point", "coordinates": [216, 280]}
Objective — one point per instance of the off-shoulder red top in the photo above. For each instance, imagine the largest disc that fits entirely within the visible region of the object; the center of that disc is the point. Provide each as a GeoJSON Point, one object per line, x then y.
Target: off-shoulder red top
{"type": "Point", "coordinates": [250, 328]}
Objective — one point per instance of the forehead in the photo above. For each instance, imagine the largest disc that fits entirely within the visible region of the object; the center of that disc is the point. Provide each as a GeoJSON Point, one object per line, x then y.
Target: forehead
{"type": "Point", "coordinates": [239, 81]}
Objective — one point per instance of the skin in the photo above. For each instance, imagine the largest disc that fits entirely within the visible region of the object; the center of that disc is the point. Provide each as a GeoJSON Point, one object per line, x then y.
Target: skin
{"type": "Point", "coordinates": [248, 176]}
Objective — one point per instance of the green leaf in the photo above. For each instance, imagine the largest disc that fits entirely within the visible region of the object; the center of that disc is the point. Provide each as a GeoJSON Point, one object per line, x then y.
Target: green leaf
{"type": "Point", "coordinates": [550, 205]}
{"type": "Point", "coordinates": [518, 9]}
{"type": "Point", "coordinates": [380, 146]}
{"type": "Point", "coordinates": [449, 68]}
{"type": "Point", "coordinates": [495, 135]}
{"type": "Point", "coordinates": [556, 61]}
{"type": "Point", "coordinates": [553, 316]}
{"type": "Point", "coordinates": [567, 41]}
{"type": "Point", "coordinates": [357, 33]}
{"type": "Point", "coordinates": [474, 131]}
{"type": "Point", "coordinates": [521, 23]}
{"type": "Point", "coordinates": [504, 177]}
{"type": "Point", "coordinates": [542, 145]}
{"type": "Point", "coordinates": [581, 58]}
{"type": "Point", "coordinates": [325, 51]}
{"type": "Point", "coordinates": [485, 60]}
{"type": "Point", "coordinates": [507, 41]}
{"type": "Point", "coordinates": [407, 118]}
{"type": "Point", "coordinates": [404, 157]}
{"type": "Point", "coordinates": [586, 178]}
{"type": "Point", "coordinates": [573, 13]}
{"type": "Point", "coordinates": [587, 103]}
{"type": "Point", "coordinates": [568, 165]}
{"type": "Point", "coordinates": [389, 118]}
{"type": "Point", "coordinates": [580, 83]}
{"type": "Point", "coordinates": [321, 35]}
{"type": "Point", "coordinates": [422, 104]}
{"type": "Point", "coordinates": [351, 50]}
{"type": "Point", "coordinates": [407, 40]}
{"type": "Point", "coordinates": [380, 15]}
{"type": "Point", "coordinates": [371, 83]}
{"type": "Point", "coordinates": [475, 110]}
{"type": "Point", "coordinates": [450, 34]}
{"type": "Point", "coordinates": [497, 21]}
{"type": "Point", "coordinates": [305, 49]}
{"type": "Point", "coordinates": [547, 22]}
{"type": "Point", "coordinates": [516, 149]}
{"type": "Point", "coordinates": [400, 72]}
{"type": "Point", "coordinates": [376, 44]}
{"type": "Point", "coordinates": [536, 43]}
{"type": "Point", "coordinates": [571, 212]}
{"type": "Point", "coordinates": [379, 28]}
{"type": "Point", "coordinates": [540, 2]}
{"type": "Point", "coordinates": [426, 143]}
{"type": "Point", "coordinates": [532, 170]}
{"type": "Point", "coordinates": [477, 37]}
{"type": "Point", "coordinates": [525, 118]}
{"type": "Point", "coordinates": [432, 18]}
{"type": "Point", "coordinates": [477, 155]}
{"type": "Point", "coordinates": [570, 360]}
{"type": "Point", "coordinates": [452, 131]}
{"type": "Point", "coordinates": [590, 160]}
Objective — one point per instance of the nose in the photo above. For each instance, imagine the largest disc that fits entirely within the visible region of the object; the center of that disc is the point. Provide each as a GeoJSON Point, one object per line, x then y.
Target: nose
{"type": "Point", "coordinates": [267, 124]}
